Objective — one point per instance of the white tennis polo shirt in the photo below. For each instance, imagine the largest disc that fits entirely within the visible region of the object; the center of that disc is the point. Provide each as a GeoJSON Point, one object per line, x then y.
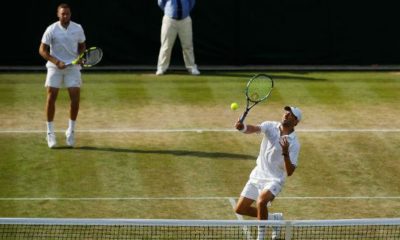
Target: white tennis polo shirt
{"type": "Point", "coordinates": [63, 42]}
{"type": "Point", "coordinates": [270, 162]}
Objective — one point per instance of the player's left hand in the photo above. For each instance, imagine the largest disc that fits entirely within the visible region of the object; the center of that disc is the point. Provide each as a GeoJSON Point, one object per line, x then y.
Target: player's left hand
{"type": "Point", "coordinates": [81, 61]}
{"type": "Point", "coordinates": [61, 65]}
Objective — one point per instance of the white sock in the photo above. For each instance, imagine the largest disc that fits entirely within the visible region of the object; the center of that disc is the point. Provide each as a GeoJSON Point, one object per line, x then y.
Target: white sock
{"type": "Point", "coordinates": [50, 127]}
{"type": "Point", "coordinates": [71, 125]}
{"type": "Point", "coordinates": [261, 232]}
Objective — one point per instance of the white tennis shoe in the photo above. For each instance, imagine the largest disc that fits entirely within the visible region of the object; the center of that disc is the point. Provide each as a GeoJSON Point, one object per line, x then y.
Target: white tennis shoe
{"type": "Point", "coordinates": [160, 72]}
{"type": "Point", "coordinates": [70, 138]}
{"type": "Point", "coordinates": [51, 139]}
{"type": "Point", "coordinates": [194, 71]}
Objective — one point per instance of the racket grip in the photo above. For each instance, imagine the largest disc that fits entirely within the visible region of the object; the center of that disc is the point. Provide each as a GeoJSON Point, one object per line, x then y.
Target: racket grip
{"type": "Point", "coordinates": [241, 120]}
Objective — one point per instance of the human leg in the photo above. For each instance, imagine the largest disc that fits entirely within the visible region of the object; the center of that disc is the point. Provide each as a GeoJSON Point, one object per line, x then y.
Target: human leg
{"type": "Point", "coordinates": [247, 197]}
{"type": "Point", "coordinates": [262, 211]}
{"type": "Point", "coordinates": [74, 94]}
{"type": "Point", "coordinates": [185, 32]}
{"type": "Point", "coordinates": [73, 82]}
{"type": "Point", "coordinates": [270, 190]}
{"type": "Point", "coordinates": [168, 37]}
{"type": "Point", "coordinates": [52, 94]}
{"type": "Point", "coordinates": [263, 199]}
{"type": "Point", "coordinates": [53, 83]}
{"type": "Point", "coordinates": [244, 207]}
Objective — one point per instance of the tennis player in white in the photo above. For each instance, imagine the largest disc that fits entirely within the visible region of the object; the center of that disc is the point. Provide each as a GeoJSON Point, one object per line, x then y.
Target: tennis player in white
{"type": "Point", "coordinates": [62, 42]}
{"type": "Point", "coordinates": [277, 159]}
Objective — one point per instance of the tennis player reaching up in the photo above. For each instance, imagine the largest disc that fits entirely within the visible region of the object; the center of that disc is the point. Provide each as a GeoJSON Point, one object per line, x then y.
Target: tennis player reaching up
{"type": "Point", "coordinates": [62, 42]}
{"type": "Point", "coordinates": [277, 159]}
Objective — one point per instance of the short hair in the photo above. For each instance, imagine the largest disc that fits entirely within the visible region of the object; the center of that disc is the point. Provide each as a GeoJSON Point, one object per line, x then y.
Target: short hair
{"type": "Point", "coordinates": [63, 5]}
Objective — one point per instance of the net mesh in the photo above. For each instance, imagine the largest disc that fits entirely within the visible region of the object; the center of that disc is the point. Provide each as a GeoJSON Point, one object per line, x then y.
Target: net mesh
{"type": "Point", "coordinates": [347, 232]}
{"type": "Point", "coordinates": [387, 229]}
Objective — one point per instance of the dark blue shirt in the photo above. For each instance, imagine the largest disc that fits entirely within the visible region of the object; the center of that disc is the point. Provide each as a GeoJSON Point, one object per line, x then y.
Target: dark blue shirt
{"type": "Point", "coordinates": [175, 10]}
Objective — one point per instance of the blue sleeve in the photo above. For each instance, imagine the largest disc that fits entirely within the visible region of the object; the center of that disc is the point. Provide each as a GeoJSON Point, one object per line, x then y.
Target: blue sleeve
{"type": "Point", "coordinates": [161, 4]}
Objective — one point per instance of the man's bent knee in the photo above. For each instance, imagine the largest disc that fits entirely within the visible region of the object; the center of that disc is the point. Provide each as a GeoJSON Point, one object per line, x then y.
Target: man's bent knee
{"type": "Point", "coordinates": [240, 210]}
{"type": "Point", "coordinates": [262, 202]}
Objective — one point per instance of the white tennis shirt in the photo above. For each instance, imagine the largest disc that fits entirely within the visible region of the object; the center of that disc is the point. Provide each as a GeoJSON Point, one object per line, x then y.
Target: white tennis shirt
{"type": "Point", "coordinates": [63, 42]}
{"type": "Point", "coordinates": [270, 162]}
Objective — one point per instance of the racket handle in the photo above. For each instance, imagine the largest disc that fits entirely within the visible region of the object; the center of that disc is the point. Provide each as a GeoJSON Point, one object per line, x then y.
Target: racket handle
{"type": "Point", "coordinates": [241, 120]}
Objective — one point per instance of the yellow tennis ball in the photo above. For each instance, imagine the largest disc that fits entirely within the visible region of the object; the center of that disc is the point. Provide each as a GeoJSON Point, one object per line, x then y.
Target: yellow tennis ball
{"type": "Point", "coordinates": [234, 106]}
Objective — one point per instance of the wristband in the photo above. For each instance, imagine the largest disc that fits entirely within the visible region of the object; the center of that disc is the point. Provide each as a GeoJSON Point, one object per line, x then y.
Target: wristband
{"type": "Point", "coordinates": [244, 129]}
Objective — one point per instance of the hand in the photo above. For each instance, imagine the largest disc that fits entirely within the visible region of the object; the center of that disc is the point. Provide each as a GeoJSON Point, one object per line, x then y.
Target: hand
{"type": "Point", "coordinates": [239, 125]}
{"type": "Point", "coordinates": [60, 64]}
{"type": "Point", "coordinates": [284, 144]}
{"type": "Point", "coordinates": [81, 61]}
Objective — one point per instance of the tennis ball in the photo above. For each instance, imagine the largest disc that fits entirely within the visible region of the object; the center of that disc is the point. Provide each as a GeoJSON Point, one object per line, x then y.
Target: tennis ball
{"type": "Point", "coordinates": [234, 106]}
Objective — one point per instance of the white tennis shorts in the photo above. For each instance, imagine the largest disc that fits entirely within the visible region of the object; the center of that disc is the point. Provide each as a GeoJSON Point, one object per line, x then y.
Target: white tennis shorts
{"type": "Point", "coordinates": [252, 189]}
{"type": "Point", "coordinates": [68, 77]}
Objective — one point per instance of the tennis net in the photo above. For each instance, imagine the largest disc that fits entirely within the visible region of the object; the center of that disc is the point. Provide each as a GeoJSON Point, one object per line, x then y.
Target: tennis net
{"type": "Point", "coordinates": [50, 228]}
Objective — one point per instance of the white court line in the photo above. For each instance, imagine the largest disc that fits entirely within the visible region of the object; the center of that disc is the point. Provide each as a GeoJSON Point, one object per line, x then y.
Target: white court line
{"type": "Point", "coordinates": [125, 130]}
{"type": "Point", "coordinates": [198, 130]}
{"type": "Point", "coordinates": [190, 198]}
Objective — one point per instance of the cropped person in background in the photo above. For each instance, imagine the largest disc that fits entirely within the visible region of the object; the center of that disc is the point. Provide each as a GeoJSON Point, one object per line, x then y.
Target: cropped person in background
{"type": "Point", "coordinates": [62, 42]}
{"type": "Point", "coordinates": [176, 21]}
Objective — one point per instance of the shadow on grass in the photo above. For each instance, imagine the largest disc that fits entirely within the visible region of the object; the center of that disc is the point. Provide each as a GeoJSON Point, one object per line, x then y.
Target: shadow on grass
{"type": "Point", "coordinates": [199, 154]}
{"type": "Point", "coordinates": [62, 147]}
{"type": "Point", "coordinates": [294, 75]}
{"type": "Point", "coordinates": [247, 76]}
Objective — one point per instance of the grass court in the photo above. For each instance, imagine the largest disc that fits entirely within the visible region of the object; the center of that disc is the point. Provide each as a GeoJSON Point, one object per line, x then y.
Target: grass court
{"type": "Point", "coordinates": [165, 147]}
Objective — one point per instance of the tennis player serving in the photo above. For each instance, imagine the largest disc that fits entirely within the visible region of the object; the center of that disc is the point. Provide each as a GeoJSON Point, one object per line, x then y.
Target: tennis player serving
{"type": "Point", "coordinates": [277, 159]}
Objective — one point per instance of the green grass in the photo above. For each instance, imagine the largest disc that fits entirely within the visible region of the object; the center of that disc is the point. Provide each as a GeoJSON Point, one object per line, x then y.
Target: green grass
{"type": "Point", "coordinates": [173, 171]}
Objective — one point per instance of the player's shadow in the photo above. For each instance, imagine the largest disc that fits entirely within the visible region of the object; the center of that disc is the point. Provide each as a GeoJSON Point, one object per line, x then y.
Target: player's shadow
{"type": "Point", "coordinates": [199, 154]}
{"type": "Point", "coordinates": [273, 76]}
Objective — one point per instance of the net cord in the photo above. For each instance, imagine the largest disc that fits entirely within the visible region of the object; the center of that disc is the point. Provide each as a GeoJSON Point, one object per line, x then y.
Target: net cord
{"type": "Point", "coordinates": [179, 222]}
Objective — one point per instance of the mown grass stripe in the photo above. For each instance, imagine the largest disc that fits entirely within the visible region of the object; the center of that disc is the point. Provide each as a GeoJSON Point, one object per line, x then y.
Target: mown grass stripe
{"type": "Point", "coordinates": [198, 130]}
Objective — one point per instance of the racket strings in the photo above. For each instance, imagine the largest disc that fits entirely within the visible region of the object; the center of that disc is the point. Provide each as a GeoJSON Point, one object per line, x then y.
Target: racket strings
{"type": "Point", "coordinates": [259, 89]}
{"type": "Point", "coordinates": [93, 57]}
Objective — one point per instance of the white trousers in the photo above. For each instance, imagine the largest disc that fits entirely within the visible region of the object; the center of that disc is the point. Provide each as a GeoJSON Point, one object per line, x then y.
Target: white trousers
{"type": "Point", "coordinates": [169, 30]}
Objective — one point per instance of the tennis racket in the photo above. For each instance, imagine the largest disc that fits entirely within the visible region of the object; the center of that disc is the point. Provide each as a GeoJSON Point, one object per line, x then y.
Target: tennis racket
{"type": "Point", "coordinates": [89, 57]}
{"type": "Point", "coordinates": [258, 89]}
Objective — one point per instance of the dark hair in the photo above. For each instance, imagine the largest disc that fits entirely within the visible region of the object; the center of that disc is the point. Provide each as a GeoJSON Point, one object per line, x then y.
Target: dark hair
{"type": "Point", "coordinates": [63, 5]}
